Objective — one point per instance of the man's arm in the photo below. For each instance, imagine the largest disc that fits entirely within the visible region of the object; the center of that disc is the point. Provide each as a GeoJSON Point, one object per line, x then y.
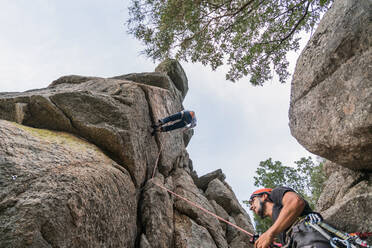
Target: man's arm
{"type": "Point", "coordinates": [293, 205]}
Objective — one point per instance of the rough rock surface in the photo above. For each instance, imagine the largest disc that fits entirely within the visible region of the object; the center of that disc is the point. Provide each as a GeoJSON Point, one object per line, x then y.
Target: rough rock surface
{"type": "Point", "coordinates": [221, 194]}
{"type": "Point", "coordinates": [331, 97]}
{"type": "Point", "coordinates": [79, 168]}
{"type": "Point", "coordinates": [331, 111]}
{"type": "Point", "coordinates": [203, 181]}
{"type": "Point", "coordinates": [174, 70]}
{"type": "Point", "coordinates": [60, 191]}
{"type": "Point", "coordinates": [346, 199]}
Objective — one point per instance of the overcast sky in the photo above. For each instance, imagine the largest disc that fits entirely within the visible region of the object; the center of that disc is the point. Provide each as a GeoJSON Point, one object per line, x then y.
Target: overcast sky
{"type": "Point", "coordinates": [238, 125]}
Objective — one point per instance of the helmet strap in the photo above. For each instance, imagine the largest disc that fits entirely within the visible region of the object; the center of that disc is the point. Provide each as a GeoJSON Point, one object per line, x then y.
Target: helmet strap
{"type": "Point", "coordinates": [261, 211]}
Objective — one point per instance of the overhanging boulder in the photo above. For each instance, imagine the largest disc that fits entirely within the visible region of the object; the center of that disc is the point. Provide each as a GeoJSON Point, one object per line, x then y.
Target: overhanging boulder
{"type": "Point", "coordinates": [331, 96]}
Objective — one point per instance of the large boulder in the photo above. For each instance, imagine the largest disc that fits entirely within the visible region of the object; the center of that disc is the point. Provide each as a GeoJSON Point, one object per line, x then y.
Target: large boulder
{"type": "Point", "coordinates": [111, 113]}
{"type": "Point", "coordinates": [189, 234]}
{"type": "Point", "coordinates": [222, 195]}
{"type": "Point", "coordinates": [173, 69]}
{"type": "Point", "coordinates": [218, 192]}
{"type": "Point", "coordinates": [58, 190]}
{"type": "Point", "coordinates": [157, 214]}
{"type": "Point", "coordinates": [203, 181]}
{"type": "Point", "coordinates": [331, 96]}
{"type": "Point", "coordinates": [185, 187]}
{"type": "Point", "coordinates": [346, 200]}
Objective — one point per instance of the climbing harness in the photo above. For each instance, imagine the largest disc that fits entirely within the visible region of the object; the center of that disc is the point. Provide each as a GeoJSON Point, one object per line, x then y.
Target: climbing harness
{"type": "Point", "coordinates": [341, 239]}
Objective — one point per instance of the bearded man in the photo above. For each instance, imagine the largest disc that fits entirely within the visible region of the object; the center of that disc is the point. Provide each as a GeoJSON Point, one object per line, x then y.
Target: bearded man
{"type": "Point", "coordinates": [288, 210]}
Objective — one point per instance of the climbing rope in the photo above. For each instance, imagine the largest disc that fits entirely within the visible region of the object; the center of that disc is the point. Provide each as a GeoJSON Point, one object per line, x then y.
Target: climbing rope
{"type": "Point", "coordinates": [157, 160]}
{"type": "Point", "coordinates": [193, 203]}
{"type": "Point", "coordinates": [362, 235]}
{"type": "Point", "coordinates": [215, 215]}
{"type": "Point", "coordinates": [313, 220]}
{"type": "Point", "coordinates": [204, 210]}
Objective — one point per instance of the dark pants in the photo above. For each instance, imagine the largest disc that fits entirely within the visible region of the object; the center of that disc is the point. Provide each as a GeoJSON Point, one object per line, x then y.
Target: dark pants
{"type": "Point", "coordinates": [305, 236]}
{"type": "Point", "coordinates": [184, 120]}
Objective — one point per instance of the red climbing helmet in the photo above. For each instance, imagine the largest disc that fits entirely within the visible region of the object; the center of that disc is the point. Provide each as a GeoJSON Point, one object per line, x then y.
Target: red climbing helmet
{"type": "Point", "coordinates": [260, 192]}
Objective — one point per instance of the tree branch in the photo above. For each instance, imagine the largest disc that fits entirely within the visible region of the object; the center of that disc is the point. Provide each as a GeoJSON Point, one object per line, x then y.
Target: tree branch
{"type": "Point", "coordinates": [292, 31]}
{"type": "Point", "coordinates": [250, 11]}
{"type": "Point", "coordinates": [297, 24]}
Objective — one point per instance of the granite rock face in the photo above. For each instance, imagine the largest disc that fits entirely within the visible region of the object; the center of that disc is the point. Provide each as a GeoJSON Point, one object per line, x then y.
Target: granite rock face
{"type": "Point", "coordinates": [331, 97]}
{"type": "Point", "coordinates": [346, 199]}
{"type": "Point", "coordinates": [58, 190]}
{"type": "Point", "coordinates": [79, 168]}
{"type": "Point", "coordinates": [174, 70]}
{"type": "Point", "coordinates": [331, 111]}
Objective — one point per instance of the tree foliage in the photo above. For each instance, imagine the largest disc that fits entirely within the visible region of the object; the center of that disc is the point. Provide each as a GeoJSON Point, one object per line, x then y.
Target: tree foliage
{"type": "Point", "coordinates": [251, 36]}
{"type": "Point", "coordinates": [306, 178]}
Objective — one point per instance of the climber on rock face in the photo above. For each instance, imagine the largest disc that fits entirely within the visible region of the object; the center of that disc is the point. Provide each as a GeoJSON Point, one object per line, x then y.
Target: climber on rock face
{"type": "Point", "coordinates": [288, 211]}
{"type": "Point", "coordinates": [186, 119]}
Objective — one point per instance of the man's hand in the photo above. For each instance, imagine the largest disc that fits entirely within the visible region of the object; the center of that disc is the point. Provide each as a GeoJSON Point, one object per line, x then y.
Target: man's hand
{"type": "Point", "coordinates": [264, 240]}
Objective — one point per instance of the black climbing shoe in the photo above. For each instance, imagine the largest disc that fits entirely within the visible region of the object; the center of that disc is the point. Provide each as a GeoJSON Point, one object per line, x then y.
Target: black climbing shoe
{"type": "Point", "coordinates": [154, 132]}
{"type": "Point", "coordinates": [157, 125]}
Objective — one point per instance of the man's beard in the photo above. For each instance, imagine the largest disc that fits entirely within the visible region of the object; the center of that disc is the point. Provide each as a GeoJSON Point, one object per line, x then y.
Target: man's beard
{"type": "Point", "coordinates": [261, 210]}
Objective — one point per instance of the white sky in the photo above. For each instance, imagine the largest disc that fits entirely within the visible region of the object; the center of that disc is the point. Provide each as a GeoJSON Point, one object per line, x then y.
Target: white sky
{"type": "Point", "coordinates": [238, 125]}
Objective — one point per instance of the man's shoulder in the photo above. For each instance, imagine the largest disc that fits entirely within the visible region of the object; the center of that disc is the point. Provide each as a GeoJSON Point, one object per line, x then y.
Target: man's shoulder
{"type": "Point", "coordinates": [280, 188]}
{"type": "Point", "coordinates": [278, 192]}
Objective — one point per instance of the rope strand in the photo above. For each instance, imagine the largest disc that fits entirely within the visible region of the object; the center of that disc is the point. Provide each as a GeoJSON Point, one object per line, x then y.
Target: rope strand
{"type": "Point", "coordinates": [196, 205]}
{"type": "Point", "coordinates": [192, 203]}
{"type": "Point", "coordinates": [203, 209]}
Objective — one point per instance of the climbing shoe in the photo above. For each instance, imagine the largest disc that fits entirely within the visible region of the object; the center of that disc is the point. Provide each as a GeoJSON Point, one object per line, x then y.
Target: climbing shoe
{"type": "Point", "coordinates": [154, 131]}
{"type": "Point", "coordinates": [157, 125]}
